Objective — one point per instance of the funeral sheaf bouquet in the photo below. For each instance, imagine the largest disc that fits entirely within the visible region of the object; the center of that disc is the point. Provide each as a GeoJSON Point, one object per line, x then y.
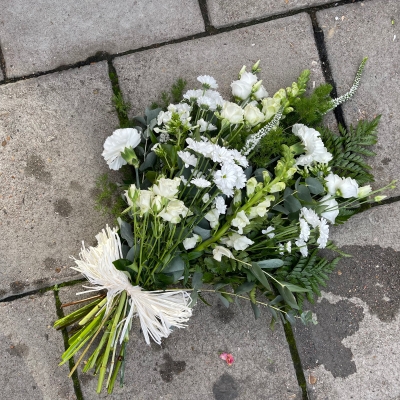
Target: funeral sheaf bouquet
{"type": "Point", "coordinates": [234, 195]}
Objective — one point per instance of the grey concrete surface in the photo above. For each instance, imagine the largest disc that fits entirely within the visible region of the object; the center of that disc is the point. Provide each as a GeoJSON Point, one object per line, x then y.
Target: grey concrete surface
{"type": "Point", "coordinates": [40, 36]}
{"type": "Point", "coordinates": [222, 56]}
{"type": "Point", "coordinates": [52, 130]}
{"type": "Point", "coordinates": [362, 30]}
{"type": "Point", "coordinates": [353, 351]}
{"type": "Point", "coordinates": [30, 350]}
{"type": "Point", "coordinates": [228, 12]}
{"type": "Point", "coordinates": [187, 364]}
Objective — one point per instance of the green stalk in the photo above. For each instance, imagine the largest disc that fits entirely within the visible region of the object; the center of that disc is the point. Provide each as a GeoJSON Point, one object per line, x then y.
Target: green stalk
{"type": "Point", "coordinates": [117, 368]}
{"type": "Point", "coordinates": [93, 312]}
{"type": "Point", "coordinates": [93, 358]}
{"type": "Point", "coordinates": [117, 314]}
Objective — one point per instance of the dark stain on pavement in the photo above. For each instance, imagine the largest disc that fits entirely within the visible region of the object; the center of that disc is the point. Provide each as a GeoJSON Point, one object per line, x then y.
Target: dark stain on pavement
{"type": "Point", "coordinates": [386, 161]}
{"type": "Point", "coordinates": [225, 315]}
{"type": "Point", "coordinates": [225, 388]}
{"type": "Point", "coordinates": [36, 167]}
{"type": "Point", "coordinates": [18, 350]}
{"type": "Point", "coordinates": [63, 207]}
{"type": "Point", "coordinates": [322, 343]}
{"type": "Point", "coordinates": [18, 286]}
{"type": "Point", "coordinates": [74, 185]}
{"type": "Point", "coordinates": [171, 368]}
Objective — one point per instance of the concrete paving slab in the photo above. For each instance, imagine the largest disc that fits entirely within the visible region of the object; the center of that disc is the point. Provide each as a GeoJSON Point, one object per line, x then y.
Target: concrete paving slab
{"type": "Point", "coordinates": [187, 364]}
{"type": "Point", "coordinates": [289, 50]}
{"type": "Point", "coordinates": [365, 29]}
{"type": "Point", "coordinates": [30, 350]}
{"type": "Point", "coordinates": [40, 36]}
{"type": "Point", "coordinates": [353, 352]}
{"type": "Point", "coordinates": [52, 131]}
{"type": "Point", "coordinates": [228, 12]}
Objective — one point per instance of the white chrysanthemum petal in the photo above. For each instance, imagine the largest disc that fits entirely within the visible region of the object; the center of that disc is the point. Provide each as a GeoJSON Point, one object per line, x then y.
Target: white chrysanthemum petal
{"type": "Point", "coordinates": [115, 145]}
{"type": "Point", "coordinates": [310, 216]}
{"type": "Point", "coordinates": [332, 210]}
{"type": "Point", "coordinates": [323, 234]}
{"type": "Point", "coordinates": [304, 230]}
{"type": "Point", "coordinates": [200, 182]}
{"type": "Point", "coordinates": [188, 158]}
{"type": "Point", "coordinates": [302, 247]}
{"type": "Point", "coordinates": [208, 81]}
{"type": "Point", "coordinates": [220, 204]}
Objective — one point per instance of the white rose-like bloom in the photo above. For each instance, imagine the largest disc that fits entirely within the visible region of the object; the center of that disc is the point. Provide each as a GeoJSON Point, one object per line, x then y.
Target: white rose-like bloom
{"type": "Point", "coordinates": [116, 144]}
{"type": "Point", "coordinates": [344, 187]}
{"type": "Point", "coordinates": [323, 234]}
{"type": "Point", "coordinates": [240, 221]}
{"type": "Point", "coordinates": [261, 93]}
{"type": "Point", "coordinates": [248, 78]}
{"type": "Point", "coordinates": [187, 158]}
{"type": "Point", "coordinates": [241, 90]}
{"type": "Point", "coordinates": [232, 112]}
{"type": "Point", "coordinates": [190, 243]}
{"type": "Point", "coordinates": [208, 81]}
{"type": "Point", "coordinates": [238, 242]}
{"type": "Point", "coordinates": [205, 126]}
{"type": "Point", "coordinates": [173, 211]}
{"type": "Point", "coordinates": [200, 182]}
{"type": "Point", "coordinates": [220, 251]}
{"type": "Point", "coordinates": [220, 204]}
{"type": "Point", "coordinates": [314, 147]}
{"type": "Point", "coordinates": [253, 115]}
{"type": "Point", "coordinates": [212, 217]}
{"type": "Point", "coordinates": [157, 311]}
{"type": "Point", "coordinates": [332, 210]}
{"type": "Point", "coordinates": [167, 187]}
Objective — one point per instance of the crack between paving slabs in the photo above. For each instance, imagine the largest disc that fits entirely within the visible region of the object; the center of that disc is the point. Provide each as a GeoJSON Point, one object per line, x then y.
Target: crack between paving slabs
{"type": "Point", "coordinates": [210, 31]}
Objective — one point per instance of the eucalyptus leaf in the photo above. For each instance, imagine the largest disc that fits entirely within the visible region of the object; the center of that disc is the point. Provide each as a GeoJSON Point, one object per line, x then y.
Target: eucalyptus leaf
{"type": "Point", "coordinates": [256, 310]}
{"type": "Point", "coordinates": [204, 233]}
{"type": "Point", "coordinates": [125, 231]}
{"type": "Point", "coordinates": [258, 174]}
{"type": "Point", "coordinates": [244, 287]}
{"type": "Point", "coordinates": [151, 114]}
{"type": "Point", "coordinates": [288, 297]}
{"type": "Point", "coordinates": [292, 204]}
{"type": "Point", "coordinates": [314, 185]}
{"type": "Point", "coordinates": [149, 162]}
{"type": "Point", "coordinates": [270, 264]}
{"type": "Point", "coordinates": [294, 288]}
{"type": "Point", "coordinates": [280, 208]}
{"type": "Point", "coordinates": [224, 301]}
{"type": "Point", "coordinates": [175, 265]}
{"type": "Point", "coordinates": [197, 280]}
{"type": "Point", "coordinates": [259, 274]}
{"type": "Point", "coordinates": [304, 194]}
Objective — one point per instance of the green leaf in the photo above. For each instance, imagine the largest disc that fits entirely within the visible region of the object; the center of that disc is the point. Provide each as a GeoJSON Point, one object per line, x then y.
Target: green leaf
{"type": "Point", "coordinates": [126, 265]}
{"type": "Point", "coordinates": [194, 296]}
{"type": "Point", "coordinates": [197, 280]}
{"type": "Point", "coordinates": [149, 161]}
{"type": "Point", "coordinates": [194, 254]}
{"type": "Point", "coordinates": [125, 231]}
{"type": "Point", "coordinates": [175, 265]}
{"type": "Point", "coordinates": [294, 288]}
{"type": "Point", "coordinates": [290, 316]}
{"type": "Point", "coordinates": [271, 264]}
{"type": "Point", "coordinates": [151, 114]}
{"type": "Point", "coordinates": [288, 296]}
{"type": "Point", "coordinates": [258, 174]}
{"type": "Point", "coordinates": [304, 194]}
{"type": "Point", "coordinates": [224, 301]}
{"type": "Point", "coordinates": [132, 252]}
{"type": "Point", "coordinates": [151, 176]}
{"type": "Point", "coordinates": [256, 310]}
{"type": "Point", "coordinates": [244, 287]}
{"type": "Point", "coordinates": [292, 204]}
{"type": "Point", "coordinates": [259, 274]}
{"type": "Point", "coordinates": [204, 233]}
{"type": "Point", "coordinates": [163, 280]}
{"type": "Point", "coordinates": [280, 208]}
{"type": "Point", "coordinates": [314, 185]}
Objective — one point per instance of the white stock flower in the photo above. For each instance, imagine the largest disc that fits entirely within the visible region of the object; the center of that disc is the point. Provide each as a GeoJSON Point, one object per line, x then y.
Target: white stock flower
{"type": "Point", "coordinates": [269, 232]}
{"type": "Point", "coordinates": [212, 217]}
{"type": "Point", "coordinates": [240, 221]}
{"type": "Point", "coordinates": [302, 247]}
{"type": "Point", "coordinates": [116, 144]}
{"type": "Point", "coordinates": [220, 251]}
{"type": "Point", "coordinates": [164, 117]}
{"type": "Point", "coordinates": [166, 187]}
{"type": "Point", "coordinates": [261, 93]}
{"type": "Point", "coordinates": [260, 209]}
{"type": "Point", "coordinates": [205, 198]}
{"type": "Point", "coordinates": [190, 243]}
{"type": "Point", "coordinates": [173, 212]}
{"type": "Point", "coordinates": [232, 113]}
{"type": "Point", "coordinates": [220, 204]}
{"type": "Point", "coordinates": [323, 234]}
{"type": "Point", "coordinates": [314, 147]}
{"type": "Point", "coordinates": [188, 158]}
{"type": "Point", "coordinates": [205, 126]}
{"type": "Point", "coordinates": [310, 216]}
{"type": "Point", "coordinates": [332, 210]}
{"type": "Point", "coordinates": [304, 230]}
{"type": "Point", "coordinates": [200, 182]}
{"type": "Point", "coordinates": [157, 312]}
{"type": "Point", "coordinates": [253, 115]}
{"type": "Point", "coordinates": [238, 242]}
{"type": "Point", "coordinates": [241, 89]}
{"type": "Point", "coordinates": [208, 82]}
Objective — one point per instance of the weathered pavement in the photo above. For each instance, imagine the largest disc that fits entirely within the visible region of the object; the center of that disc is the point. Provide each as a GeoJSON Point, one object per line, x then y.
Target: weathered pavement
{"type": "Point", "coordinates": [60, 64]}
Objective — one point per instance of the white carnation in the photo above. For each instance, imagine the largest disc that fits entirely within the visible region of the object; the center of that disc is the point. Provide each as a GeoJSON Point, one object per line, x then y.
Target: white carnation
{"type": "Point", "coordinates": [323, 234]}
{"type": "Point", "coordinates": [208, 82]}
{"type": "Point", "coordinates": [201, 182]}
{"type": "Point", "coordinates": [332, 210]}
{"type": "Point", "coordinates": [220, 204]}
{"type": "Point", "coordinates": [188, 158]}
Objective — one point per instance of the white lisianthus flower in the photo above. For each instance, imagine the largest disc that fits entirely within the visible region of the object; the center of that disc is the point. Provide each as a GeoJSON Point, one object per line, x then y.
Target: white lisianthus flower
{"type": "Point", "coordinates": [302, 247]}
{"type": "Point", "coordinates": [323, 234]}
{"type": "Point", "coordinates": [212, 217]}
{"type": "Point", "coordinates": [220, 251]}
{"type": "Point", "coordinates": [144, 201]}
{"type": "Point", "coordinates": [208, 82]}
{"type": "Point", "coordinates": [205, 126]}
{"type": "Point", "coordinates": [193, 95]}
{"type": "Point", "coordinates": [304, 230]}
{"type": "Point", "coordinates": [332, 182]}
{"type": "Point", "coordinates": [364, 191]}
{"type": "Point", "coordinates": [190, 243]}
{"type": "Point", "coordinates": [253, 115]}
{"type": "Point", "coordinates": [241, 90]}
{"type": "Point", "coordinates": [310, 216]}
{"type": "Point", "coordinates": [173, 212]}
{"type": "Point", "coordinates": [240, 221]}
{"type": "Point", "coordinates": [205, 198]}
{"type": "Point", "coordinates": [238, 242]}
{"type": "Point", "coordinates": [116, 144]}
{"type": "Point", "coordinates": [248, 78]}
{"type": "Point", "coordinates": [188, 158]}
{"type": "Point", "coordinates": [332, 210]}
{"type": "Point", "coordinates": [260, 93]}
{"type": "Point", "coordinates": [200, 182]}
{"type": "Point", "coordinates": [220, 204]}
{"type": "Point", "coordinates": [269, 232]}
{"type": "Point", "coordinates": [166, 187]}
{"type": "Point", "coordinates": [232, 112]}
{"type": "Point", "coordinates": [314, 147]}
{"type": "Point", "coordinates": [343, 187]}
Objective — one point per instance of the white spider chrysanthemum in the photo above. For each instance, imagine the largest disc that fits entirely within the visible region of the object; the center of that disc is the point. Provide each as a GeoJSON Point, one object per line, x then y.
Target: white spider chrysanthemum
{"type": "Point", "coordinates": [188, 158]}
{"type": "Point", "coordinates": [158, 311]}
{"type": "Point", "coordinates": [323, 234]}
{"type": "Point", "coordinates": [115, 145]}
{"type": "Point", "coordinates": [208, 82]}
{"type": "Point", "coordinates": [200, 182]}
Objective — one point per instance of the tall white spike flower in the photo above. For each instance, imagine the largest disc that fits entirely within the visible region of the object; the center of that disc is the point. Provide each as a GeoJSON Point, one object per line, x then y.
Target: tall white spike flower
{"type": "Point", "coordinates": [158, 311]}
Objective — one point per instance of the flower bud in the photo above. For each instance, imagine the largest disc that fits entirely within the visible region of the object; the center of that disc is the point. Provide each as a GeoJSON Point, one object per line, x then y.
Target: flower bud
{"type": "Point", "coordinates": [379, 198]}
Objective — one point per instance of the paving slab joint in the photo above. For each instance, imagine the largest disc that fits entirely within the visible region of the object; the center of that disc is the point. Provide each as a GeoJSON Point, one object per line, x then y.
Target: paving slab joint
{"type": "Point", "coordinates": [301, 379]}
{"type": "Point", "coordinates": [206, 18]}
{"type": "Point", "coordinates": [2, 64]}
{"type": "Point", "coordinates": [75, 378]}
